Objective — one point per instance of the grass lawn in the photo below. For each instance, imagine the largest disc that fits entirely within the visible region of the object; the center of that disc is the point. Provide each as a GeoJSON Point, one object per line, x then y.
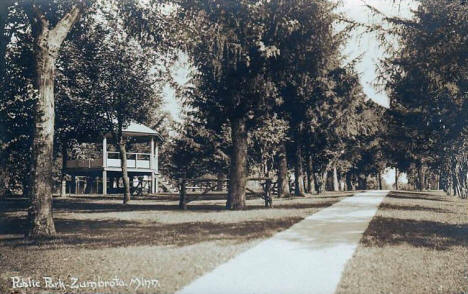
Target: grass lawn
{"type": "Point", "coordinates": [102, 239]}
{"type": "Point", "coordinates": [416, 243]}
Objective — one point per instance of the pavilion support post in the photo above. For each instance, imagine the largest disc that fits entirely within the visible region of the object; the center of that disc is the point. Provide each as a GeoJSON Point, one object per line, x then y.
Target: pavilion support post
{"type": "Point", "coordinates": [152, 167]}
{"type": "Point", "coordinates": [63, 191]}
{"type": "Point", "coordinates": [104, 182]}
{"type": "Point", "coordinates": [156, 156]}
{"type": "Point", "coordinates": [152, 154]}
{"type": "Point", "coordinates": [104, 152]}
{"type": "Point", "coordinates": [156, 168]}
{"type": "Point", "coordinates": [156, 183]}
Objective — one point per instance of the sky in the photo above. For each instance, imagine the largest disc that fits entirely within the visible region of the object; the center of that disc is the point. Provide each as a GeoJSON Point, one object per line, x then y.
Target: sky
{"type": "Point", "coordinates": [367, 43]}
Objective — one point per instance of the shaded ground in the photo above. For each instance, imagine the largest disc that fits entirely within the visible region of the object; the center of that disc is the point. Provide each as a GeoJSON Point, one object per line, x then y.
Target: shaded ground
{"type": "Point", "coordinates": [416, 243]}
{"type": "Point", "coordinates": [102, 239]}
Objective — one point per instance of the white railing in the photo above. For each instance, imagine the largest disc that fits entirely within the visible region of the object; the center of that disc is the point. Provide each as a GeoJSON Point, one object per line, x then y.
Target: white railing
{"type": "Point", "coordinates": [134, 160]}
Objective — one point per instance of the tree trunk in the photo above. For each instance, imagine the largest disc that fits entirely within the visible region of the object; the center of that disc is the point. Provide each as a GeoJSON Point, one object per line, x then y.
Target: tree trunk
{"type": "Point", "coordinates": [47, 43]}
{"type": "Point", "coordinates": [220, 181]}
{"type": "Point", "coordinates": [299, 188]}
{"type": "Point", "coordinates": [311, 182]}
{"type": "Point", "coordinates": [183, 194]}
{"type": "Point", "coordinates": [40, 212]}
{"type": "Point", "coordinates": [449, 189]}
{"type": "Point", "coordinates": [305, 177]}
{"type": "Point", "coordinates": [310, 175]}
{"type": "Point", "coordinates": [283, 180]}
{"type": "Point", "coordinates": [238, 168]}
{"type": "Point", "coordinates": [123, 163]}
{"type": "Point", "coordinates": [323, 182]}
{"type": "Point", "coordinates": [336, 185]}
{"type": "Point", "coordinates": [420, 177]}
{"type": "Point", "coordinates": [455, 183]}
{"type": "Point", "coordinates": [342, 184]}
{"type": "Point", "coordinates": [379, 179]}
{"type": "Point", "coordinates": [396, 178]}
{"type": "Point", "coordinates": [349, 183]}
{"type": "Point", "coordinates": [298, 169]}
{"type": "Point", "coordinates": [315, 182]}
{"type": "Point", "coordinates": [362, 181]}
{"type": "Point", "coordinates": [464, 186]}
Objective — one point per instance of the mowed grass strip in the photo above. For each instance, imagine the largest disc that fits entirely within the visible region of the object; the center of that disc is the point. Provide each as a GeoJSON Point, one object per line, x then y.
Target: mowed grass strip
{"type": "Point", "coordinates": [146, 239]}
{"type": "Point", "coordinates": [416, 243]}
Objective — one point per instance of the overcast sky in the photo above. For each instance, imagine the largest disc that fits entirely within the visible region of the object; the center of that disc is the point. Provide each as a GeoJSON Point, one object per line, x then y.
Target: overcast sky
{"type": "Point", "coordinates": [367, 44]}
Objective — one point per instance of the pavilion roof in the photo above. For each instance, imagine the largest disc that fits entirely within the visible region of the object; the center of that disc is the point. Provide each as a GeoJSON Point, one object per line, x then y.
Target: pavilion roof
{"type": "Point", "coordinates": [135, 129]}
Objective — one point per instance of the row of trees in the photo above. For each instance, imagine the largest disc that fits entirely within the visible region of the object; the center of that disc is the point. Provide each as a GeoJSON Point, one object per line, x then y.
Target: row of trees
{"type": "Point", "coordinates": [268, 83]}
{"type": "Point", "coordinates": [270, 92]}
{"type": "Point", "coordinates": [427, 79]}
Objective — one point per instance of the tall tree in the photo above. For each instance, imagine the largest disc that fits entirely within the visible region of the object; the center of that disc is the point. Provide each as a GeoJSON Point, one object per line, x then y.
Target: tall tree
{"type": "Point", "coordinates": [230, 63]}
{"type": "Point", "coordinates": [427, 81]}
{"type": "Point", "coordinates": [117, 78]}
{"type": "Point", "coordinates": [48, 38]}
{"type": "Point", "coordinates": [301, 38]}
{"type": "Point", "coordinates": [4, 40]}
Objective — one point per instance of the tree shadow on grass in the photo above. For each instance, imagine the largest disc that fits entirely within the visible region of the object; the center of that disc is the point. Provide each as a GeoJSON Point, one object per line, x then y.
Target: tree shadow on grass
{"type": "Point", "coordinates": [92, 234]}
{"type": "Point", "coordinates": [305, 205]}
{"type": "Point", "coordinates": [12, 204]}
{"type": "Point", "coordinates": [114, 233]}
{"type": "Point", "coordinates": [407, 196]}
{"type": "Point", "coordinates": [87, 206]}
{"type": "Point", "coordinates": [384, 231]}
{"type": "Point", "coordinates": [413, 208]}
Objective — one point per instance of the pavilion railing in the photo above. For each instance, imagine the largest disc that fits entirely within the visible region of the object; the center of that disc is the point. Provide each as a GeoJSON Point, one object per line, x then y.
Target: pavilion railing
{"type": "Point", "coordinates": [134, 160]}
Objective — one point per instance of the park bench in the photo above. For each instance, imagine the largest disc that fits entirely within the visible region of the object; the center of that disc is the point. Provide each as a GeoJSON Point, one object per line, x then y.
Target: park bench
{"type": "Point", "coordinates": [210, 185]}
{"type": "Point", "coordinates": [268, 187]}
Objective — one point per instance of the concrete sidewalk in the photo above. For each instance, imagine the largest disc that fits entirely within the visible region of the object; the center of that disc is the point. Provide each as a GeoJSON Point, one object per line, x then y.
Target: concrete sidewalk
{"type": "Point", "coordinates": [307, 258]}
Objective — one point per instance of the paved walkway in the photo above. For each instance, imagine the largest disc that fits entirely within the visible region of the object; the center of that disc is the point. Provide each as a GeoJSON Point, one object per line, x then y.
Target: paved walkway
{"type": "Point", "coordinates": [307, 258]}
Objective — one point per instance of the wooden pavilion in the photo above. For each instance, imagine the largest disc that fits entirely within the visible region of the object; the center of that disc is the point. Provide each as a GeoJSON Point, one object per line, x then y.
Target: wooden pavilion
{"type": "Point", "coordinates": [106, 169]}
